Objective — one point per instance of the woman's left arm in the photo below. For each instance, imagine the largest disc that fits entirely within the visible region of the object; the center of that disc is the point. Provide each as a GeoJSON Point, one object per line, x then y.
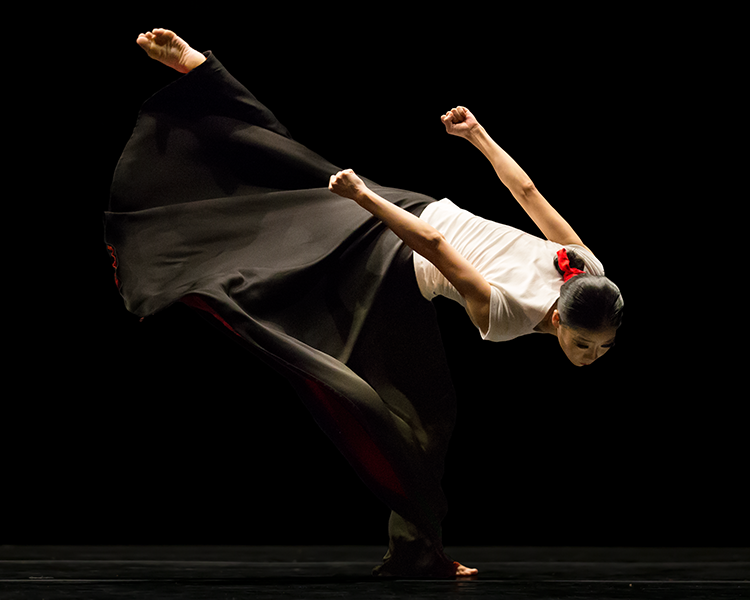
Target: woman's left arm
{"type": "Point", "coordinates": [425, 240]}
{"type": "Point", "coordinates": [461, 123]}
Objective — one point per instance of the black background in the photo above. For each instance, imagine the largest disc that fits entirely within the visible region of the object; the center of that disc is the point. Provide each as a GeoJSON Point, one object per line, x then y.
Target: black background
{"type": "Point", "coordinates": [166, 432]}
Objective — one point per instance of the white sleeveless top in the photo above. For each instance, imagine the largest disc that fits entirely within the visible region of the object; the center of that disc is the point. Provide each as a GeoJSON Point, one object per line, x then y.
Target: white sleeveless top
{"type": "Point", "coordinates": [518, 266]}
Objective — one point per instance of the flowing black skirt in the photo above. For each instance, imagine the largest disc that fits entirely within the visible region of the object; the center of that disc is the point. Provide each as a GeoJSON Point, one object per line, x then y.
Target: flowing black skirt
{"type": "Point", "coordinates": [214, 204]}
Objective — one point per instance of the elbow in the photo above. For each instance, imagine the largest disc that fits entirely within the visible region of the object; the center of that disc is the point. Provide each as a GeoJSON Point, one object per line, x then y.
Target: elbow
{"type": "Point", "coordinates": [526, 189]}
{"type": "Point", "coordinates": [435, 240]}
{"type": "Point", "coordinates": [432, 244]}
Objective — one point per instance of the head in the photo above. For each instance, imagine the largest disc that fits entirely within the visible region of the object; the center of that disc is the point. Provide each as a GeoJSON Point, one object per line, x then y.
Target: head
{"type": "Point", "coordinates": [588, 315]}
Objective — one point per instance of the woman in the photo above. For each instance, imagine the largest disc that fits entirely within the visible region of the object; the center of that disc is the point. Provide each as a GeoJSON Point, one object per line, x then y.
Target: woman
{"type": "Point", "coordinates": [213, 204]}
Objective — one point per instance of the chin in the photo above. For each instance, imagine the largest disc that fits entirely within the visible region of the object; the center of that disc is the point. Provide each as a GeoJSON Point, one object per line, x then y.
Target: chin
{"type": "Point", "coordinates": [579, 363]}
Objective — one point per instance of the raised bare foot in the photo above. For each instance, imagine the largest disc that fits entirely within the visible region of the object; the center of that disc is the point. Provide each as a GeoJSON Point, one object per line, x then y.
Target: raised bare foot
{"type": "Point", "coordinates": [170, 49]}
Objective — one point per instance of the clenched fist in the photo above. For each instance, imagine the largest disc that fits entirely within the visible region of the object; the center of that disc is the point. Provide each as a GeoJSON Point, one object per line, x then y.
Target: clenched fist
{"type": "Point", "coordinates": [347, 185]}
{"type": "Point", "coordinates": [459, 121]}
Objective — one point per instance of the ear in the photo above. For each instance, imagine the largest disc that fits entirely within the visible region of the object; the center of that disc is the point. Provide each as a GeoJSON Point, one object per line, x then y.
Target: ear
{"type": "Point", "coordinates": [556, 319]}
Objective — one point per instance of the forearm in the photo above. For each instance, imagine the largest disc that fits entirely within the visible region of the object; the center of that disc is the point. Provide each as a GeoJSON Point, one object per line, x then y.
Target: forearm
{"type": "Point", "coordinates": [420, 236]}
{"type": "Point", "coordinates": [507, 169]}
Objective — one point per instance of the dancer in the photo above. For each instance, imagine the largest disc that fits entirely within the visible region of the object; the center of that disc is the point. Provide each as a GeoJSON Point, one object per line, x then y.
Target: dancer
{"type": "Point", "coordinates": [213, 204]}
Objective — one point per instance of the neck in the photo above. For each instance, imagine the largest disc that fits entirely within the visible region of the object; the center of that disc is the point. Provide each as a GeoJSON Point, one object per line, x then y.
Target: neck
{"type": "Point", "coordinates": [545, 325]}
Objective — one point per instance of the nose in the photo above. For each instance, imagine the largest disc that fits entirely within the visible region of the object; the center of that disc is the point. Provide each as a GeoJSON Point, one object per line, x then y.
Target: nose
{"type": "Point", "coordinates": [592, 354]}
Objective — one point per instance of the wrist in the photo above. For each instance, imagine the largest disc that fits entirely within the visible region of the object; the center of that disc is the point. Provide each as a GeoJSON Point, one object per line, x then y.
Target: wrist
{"type": "Point", "coordinates": [477, 135]}
{"type": "Point", "coordinates": [362, 196]}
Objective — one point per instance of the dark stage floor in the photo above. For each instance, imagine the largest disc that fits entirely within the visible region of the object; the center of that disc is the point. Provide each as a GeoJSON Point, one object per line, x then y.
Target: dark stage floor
{"type": "Point", "coordinates": [193, 572]}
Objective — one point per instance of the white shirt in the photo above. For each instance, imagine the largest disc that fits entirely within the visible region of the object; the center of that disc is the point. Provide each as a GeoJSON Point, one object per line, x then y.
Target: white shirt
{"type": "Point", "coordinates": [518, 266]}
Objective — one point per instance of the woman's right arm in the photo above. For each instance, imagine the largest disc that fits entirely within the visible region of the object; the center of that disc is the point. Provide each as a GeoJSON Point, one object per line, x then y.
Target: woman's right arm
{"type": "Point", "coordinates": [425, 240]}
{"type": "Point", "coordinates": [460, 122]}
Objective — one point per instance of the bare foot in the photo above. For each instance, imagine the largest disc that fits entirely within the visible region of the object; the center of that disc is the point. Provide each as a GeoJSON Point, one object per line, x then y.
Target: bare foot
{"type": "Point", "coordinates": [170, 49]}
{"type": "Point", "coordinates": [433, 568]}
{"type": "Point", "coordinates": [462, 571]}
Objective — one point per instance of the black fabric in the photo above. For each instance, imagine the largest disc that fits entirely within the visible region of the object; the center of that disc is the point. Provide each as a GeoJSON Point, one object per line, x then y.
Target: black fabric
{"type": "Point", "coordinates": [213, 204]}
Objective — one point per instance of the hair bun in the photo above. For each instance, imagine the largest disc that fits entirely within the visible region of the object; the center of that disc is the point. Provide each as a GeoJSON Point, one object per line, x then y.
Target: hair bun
{"type": "Point", "coordinates": [575, 261]}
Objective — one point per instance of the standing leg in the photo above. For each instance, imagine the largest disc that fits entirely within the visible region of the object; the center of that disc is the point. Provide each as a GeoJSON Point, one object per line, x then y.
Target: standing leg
{"type": "Point", "coordinates": [400, 354]}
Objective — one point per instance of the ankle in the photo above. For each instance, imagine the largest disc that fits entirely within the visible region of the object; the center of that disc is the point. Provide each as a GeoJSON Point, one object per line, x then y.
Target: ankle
{"type": "Point", "coordinates": [195, 59]}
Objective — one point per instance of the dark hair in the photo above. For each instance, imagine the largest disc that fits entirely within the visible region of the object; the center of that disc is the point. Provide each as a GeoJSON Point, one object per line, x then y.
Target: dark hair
{"type": "Point", "coordinates": [590, 302]}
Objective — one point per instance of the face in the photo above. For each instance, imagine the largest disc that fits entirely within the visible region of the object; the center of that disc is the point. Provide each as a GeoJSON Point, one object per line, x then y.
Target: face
{"type": "Point", "coordinates": [582, 347]}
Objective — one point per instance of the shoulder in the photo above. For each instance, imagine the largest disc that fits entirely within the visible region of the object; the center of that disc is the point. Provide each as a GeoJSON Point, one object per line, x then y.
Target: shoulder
{"type": "Point", "coordinates": [507, 319]}
{"type": "Point", "coordinates": [439, 210]}
{"type": "Point", "coordinates": [593, 264]}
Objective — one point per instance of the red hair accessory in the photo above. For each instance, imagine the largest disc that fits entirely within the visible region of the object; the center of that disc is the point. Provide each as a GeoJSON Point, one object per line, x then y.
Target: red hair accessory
{"type": "Point", "coordinates": [564, 263]}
